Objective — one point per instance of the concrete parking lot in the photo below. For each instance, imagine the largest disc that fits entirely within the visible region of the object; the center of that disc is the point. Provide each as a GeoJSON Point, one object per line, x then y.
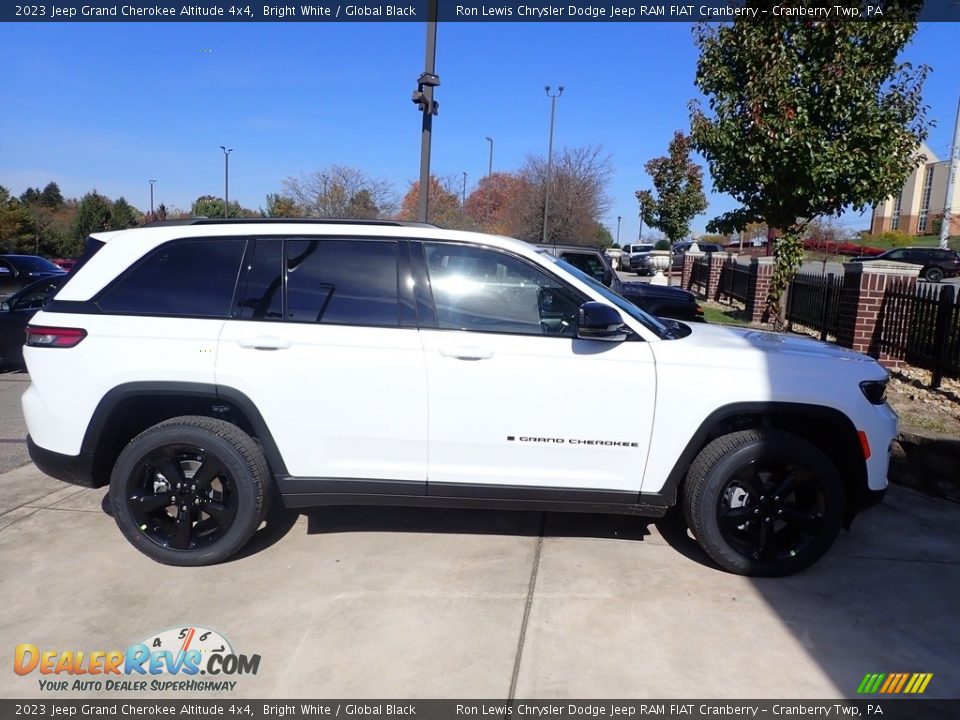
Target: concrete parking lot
{"type": "Point", "coordinates": [373, 602]}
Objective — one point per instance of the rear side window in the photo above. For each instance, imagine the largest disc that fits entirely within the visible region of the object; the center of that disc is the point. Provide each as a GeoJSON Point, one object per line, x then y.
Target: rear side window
{"type": "Point", "coordinates": [182, 278]}
{"type": "Point", "coordinates": [342, 282]}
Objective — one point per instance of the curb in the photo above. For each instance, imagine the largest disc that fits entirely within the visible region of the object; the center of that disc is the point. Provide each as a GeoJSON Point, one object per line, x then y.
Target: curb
{"type": "Point", "coordinates": [928, 462]}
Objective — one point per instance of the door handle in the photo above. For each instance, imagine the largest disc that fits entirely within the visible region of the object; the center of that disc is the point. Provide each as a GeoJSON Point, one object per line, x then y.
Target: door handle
{"type": "Point", "coordinates": [467, 352]}
{"type": "Point", "coordinates": [264, 342]}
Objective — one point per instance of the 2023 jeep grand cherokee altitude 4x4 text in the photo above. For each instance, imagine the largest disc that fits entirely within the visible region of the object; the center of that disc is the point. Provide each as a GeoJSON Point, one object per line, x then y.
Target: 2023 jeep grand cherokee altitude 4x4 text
{"type": "Point", "coordinates": [203, 368]}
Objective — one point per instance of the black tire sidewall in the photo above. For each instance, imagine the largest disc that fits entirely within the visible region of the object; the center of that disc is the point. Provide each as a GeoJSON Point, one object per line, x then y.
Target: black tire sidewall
{"type": "Point", "coordinates": [241, 474]}
{"type": "Point", "coordinates": [716, 479]}
{"type": "Point", "coordinates": [933, 275]}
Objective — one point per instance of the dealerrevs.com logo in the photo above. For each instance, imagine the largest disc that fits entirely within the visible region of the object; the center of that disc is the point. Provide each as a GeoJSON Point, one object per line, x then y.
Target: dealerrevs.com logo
{"type": "Point", "coordinates": [167, 661]}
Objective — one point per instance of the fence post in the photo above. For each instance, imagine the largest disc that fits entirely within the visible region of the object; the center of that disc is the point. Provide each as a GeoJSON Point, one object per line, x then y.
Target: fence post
{"type": "Point", "coordinates": [944, 306]}
{"type": "Point", "coordinates": [761, 272]}
{"type": "Point", "coordinates": [827, 297]}
{"type": "Point", "coordinates": [689, 258]}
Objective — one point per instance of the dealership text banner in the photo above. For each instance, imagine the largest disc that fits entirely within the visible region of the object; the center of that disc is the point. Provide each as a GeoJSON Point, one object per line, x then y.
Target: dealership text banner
{"type": "Point", "coordinates": [460, 11]}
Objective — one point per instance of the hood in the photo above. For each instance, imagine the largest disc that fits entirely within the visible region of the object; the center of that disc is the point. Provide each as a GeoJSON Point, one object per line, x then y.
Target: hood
{"type": "Point", "coordinates": [650, 290]}
{"type": "Point", "coordinates": [724, 337]}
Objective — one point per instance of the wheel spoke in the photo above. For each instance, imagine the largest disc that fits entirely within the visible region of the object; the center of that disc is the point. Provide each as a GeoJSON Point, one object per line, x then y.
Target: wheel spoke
{"type": "Point", "coordinates": [147, 503]}
{"type": "Point", "coordinates": [765, 541]}
{"type": "Point", "coordinates": [180, 539]}
{"type": "Point", "coordinates": [809, 522]}
{"type": "Point", "coordinates": [170, 468]}
{"type": "Point", "coordinates": [785, 486]}
{"type": "Point", "coordinates": [223, 514]}
{"type": "Point", "coordinates": [735, 517]}
{"type": "Point", "coordinates": [206, 473]}
{"type": "Point", "coordinates": [749, 478]}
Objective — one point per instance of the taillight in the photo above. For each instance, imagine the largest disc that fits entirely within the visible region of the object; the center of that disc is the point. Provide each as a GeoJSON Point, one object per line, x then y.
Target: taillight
{"type": "Point", "coordinates": [41, 336]}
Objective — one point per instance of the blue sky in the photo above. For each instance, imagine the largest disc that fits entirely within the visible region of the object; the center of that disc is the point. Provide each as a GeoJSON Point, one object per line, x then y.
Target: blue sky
{"type": "Point", "coordinates": [112, 105]}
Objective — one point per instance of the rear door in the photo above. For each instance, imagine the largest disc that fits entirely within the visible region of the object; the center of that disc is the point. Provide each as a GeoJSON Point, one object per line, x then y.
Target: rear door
{"type": "Point", "coordinates": [324, 343]}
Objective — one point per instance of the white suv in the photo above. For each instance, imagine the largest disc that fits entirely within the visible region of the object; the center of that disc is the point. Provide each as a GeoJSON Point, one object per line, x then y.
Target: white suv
{"type": "Point", "coordinates": [203, 367]}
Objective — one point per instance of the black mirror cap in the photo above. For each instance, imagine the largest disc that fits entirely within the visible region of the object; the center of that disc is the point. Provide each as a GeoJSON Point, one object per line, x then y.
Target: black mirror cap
{"type": "Point", "coordinates": [599, 321]}
{"type": "Point", "coordinates": [607, 277]}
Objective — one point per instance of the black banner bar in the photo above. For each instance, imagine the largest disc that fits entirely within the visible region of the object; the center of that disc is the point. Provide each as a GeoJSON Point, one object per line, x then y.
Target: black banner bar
{"type": "Point", "coordinates": [886, 708]}
{"type": "Point", "coordinates": [456, 11]}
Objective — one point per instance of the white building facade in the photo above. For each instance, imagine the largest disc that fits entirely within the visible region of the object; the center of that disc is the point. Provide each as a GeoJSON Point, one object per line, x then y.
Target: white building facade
{"type": "Point", "coordinates": [918, 209]}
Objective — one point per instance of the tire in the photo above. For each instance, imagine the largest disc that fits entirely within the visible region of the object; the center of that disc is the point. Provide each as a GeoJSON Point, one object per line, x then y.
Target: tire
{"type": "Point", "coordinates": [735, 477]}
{"type": "Point", "coordinates": [154, 476]}
{"type": "Point", "coordinates": [933, 274]}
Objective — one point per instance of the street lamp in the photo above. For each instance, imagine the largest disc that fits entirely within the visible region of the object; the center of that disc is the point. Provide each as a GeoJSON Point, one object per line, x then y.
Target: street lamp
{"type": "Point", "coordinates": [546, 193]}
{"type": "Point", "coordinates": [423, 99]}
{"type": "Point", "coordinates": [619, 218]}
{"type": "Point", "coordinates": [226, 178]}
{"type": "Point", "coordinates": [490, 165]}
{"type": "Point", "coordinates": [463, 197]}
{"type": "Point", "coordinates": [151, 200]}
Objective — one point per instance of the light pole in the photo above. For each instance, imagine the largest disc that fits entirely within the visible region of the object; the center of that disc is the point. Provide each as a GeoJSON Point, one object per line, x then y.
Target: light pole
{"type": "Point", "coordinates": [463, 197]}
{"type": "Point", "coordinates": [423, 99]}
{"type": "Point", "coordinates": [151, 200]}
{"type": "Point", "coordinates": [490, 164]}
{"type": "Point", "coordinates": [546, 189]}
{"type": "Point", "coordinates": [619, 218]}
{"type": "Point", "coordinates": [226, 178]}
{"type": "Point", "coordinates": [640, 234]}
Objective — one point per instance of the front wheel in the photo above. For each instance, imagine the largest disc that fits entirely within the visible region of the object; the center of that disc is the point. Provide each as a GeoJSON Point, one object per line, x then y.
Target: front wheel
{"type": "Point", "coordinates": [190, 491]}
{"type": "Point", "coordinates": [763, 502]}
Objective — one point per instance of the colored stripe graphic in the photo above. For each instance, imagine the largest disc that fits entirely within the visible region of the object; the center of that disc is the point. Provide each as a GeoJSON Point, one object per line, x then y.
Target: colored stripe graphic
{"type": "Point", "coordinates": [894, 683]}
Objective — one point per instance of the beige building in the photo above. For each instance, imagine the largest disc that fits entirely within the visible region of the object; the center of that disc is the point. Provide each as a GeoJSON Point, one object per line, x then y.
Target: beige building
{"type": "Point", "coordinates": [918, 208]}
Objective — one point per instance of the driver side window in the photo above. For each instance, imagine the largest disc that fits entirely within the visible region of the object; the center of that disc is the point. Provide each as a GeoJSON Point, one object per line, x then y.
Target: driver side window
{"type": "Point", "coordinates": [490, 291]}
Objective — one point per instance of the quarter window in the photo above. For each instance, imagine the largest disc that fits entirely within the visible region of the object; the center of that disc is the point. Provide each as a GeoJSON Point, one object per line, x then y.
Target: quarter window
{"type": "Point", "coordinates": [183, 278]}
{"type": "Point", "coordinates": [489, 291]}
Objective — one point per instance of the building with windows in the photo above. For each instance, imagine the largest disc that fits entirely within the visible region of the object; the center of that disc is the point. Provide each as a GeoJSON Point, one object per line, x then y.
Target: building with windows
{"type": "Point", "coordinates": [918, 209]}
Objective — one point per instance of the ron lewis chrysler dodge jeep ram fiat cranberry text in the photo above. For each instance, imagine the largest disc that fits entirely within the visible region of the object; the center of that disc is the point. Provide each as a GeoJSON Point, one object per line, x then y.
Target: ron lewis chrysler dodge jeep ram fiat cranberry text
{"type": "Point", "coordinates": [202, 368]}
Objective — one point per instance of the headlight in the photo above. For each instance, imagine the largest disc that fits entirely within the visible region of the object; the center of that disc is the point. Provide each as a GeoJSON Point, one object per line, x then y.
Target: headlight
{"type": "Point", "coordinates": [875, 391]}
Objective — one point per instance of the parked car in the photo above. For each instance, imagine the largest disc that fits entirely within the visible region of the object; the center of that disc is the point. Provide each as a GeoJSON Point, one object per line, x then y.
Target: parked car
{"type": "Point", "coordinates": [15, 313]}
{"type": "Point", "coordinates": [936, 263]}
{"type": "Point", "coordinates": [18, 271]}
{"type": "Point", "coordinates": [224, 363]}
{"type": "Point", "coordinates": [680, 248]}
{"type": "Point", "coordinates": [639, 251]}
{"type": "Point", "coordinates": [659, 300]}
{"type": "Point", "coordinates": [630, 249]}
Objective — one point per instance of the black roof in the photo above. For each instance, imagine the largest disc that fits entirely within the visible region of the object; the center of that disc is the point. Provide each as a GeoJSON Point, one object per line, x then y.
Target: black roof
{"type": "Point", "coordinates": [287, 221]}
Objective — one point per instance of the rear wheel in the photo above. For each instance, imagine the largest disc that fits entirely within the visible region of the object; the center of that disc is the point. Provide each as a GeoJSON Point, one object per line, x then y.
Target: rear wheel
{"type": "Point", "coordinates": [763, 502]}
{"type": "Point", "coordinates": [190, 491]}
{"type": "Point", "coordinates": [933, 274]}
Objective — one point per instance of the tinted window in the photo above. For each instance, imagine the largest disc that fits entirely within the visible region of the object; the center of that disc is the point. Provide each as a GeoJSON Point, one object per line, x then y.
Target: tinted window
{"type": "Point", "coordinates": [590, 264]}
{"type": "Point", "coordinates": [345, 282]}
{"type": "Point", "coordinates": [262, 293]}
{"type": "Point", "coordinates": [33, 264]}
{"type": "Point", "coordinates": [896, 255]}
{"type": "Point", "coordinates": [490, 291]}
{"type": "Point", "coordinates": [186, 277]}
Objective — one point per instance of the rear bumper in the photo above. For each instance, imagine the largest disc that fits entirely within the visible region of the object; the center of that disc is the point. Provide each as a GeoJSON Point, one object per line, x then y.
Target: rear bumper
{"type": "Point", "coordinates": [74, 469]}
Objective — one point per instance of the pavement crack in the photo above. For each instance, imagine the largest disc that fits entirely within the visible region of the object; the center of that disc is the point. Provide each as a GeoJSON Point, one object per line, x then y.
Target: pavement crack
{"type": "Point", "coordinates": [526, 609]}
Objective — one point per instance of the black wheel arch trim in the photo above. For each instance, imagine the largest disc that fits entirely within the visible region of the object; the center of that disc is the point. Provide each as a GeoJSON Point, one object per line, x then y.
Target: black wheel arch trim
{"type": "Point", "coordinates": [216, 394]}
{"type": "Point", "coordinates": [710, 427]}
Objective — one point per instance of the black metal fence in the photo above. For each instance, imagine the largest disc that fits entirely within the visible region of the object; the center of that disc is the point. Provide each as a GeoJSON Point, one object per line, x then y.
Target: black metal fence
{"type": "Point", "coordinates": [814, 301]}
{"type": "Point", "coordinates": [734, 281]}
{"type": "Point", "coordinates": [922, 325]}
{"type": "Point", "coordinates": [700, 272]}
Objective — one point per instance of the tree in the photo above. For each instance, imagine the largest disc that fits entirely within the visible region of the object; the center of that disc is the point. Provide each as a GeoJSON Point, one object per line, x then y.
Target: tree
{"type": "Point", "coordinates": [806, 119]}
{"type": "Point", "coordinates": [15, 228]}
{"type": "Point", "coordinates": [444, 206]}
{"type": "Point", "coordinates": [123, 215]}
{"type": "Point", "coordinates": [341, 191]}
{"type": "Point", "coordinates": [679, 186]}
{"type": "Point", "coordinates": [212, 207]}
{"type": "Point", "coordinates": [491, 203]}
{"type": "Point", "coordinates": [579, 183]}
{"type": "Point", "coordinates": [281, 206]}
{"type": "Point", "coordinates": [93, 215]}
{"type": "Point", "coordinates": [602, 237]}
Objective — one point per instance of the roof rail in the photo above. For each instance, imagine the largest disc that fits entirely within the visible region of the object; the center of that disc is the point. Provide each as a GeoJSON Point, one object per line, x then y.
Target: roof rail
{"type": "Point", "coordinates": [287, 221]}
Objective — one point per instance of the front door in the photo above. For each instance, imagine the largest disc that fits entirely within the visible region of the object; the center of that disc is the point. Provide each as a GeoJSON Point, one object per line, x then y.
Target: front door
{"type": "Point", "coordinates": [515, 399]}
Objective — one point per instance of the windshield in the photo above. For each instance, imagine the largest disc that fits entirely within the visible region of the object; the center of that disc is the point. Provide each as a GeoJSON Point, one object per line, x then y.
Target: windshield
{"type": "Point", "coordinates": [648, 321]}
{"type": "Point", "coordinates": [31, 264]}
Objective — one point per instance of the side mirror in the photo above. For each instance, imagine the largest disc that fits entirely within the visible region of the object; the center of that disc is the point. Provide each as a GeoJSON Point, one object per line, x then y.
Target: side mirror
{"type": "Point", "coordinates": [599, 321]}
{"type": "Point", "coordinates": [607, 277]}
